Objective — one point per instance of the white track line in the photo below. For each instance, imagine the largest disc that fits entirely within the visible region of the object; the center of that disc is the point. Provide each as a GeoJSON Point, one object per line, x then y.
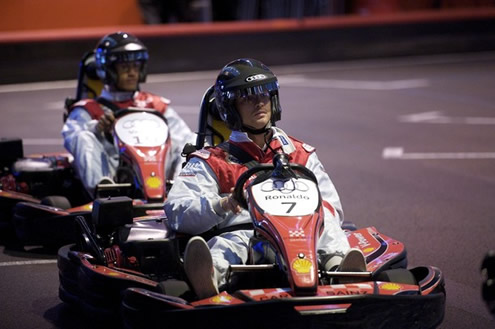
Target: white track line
{"type": "Point", "coordinates": [42, 141]}
{"type": "Point", "coordinates": [29, 262]}
{"type": "Point", "coordinates": [439, 118]}
{"type": "Point", "coordinates": [397, 153]}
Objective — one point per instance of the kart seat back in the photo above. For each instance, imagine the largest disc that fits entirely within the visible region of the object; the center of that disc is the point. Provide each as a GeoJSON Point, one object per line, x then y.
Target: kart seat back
{"type": "Point", "coordinates": [89, 84]}
{"type": "Point", "coordinates": [212, 130]}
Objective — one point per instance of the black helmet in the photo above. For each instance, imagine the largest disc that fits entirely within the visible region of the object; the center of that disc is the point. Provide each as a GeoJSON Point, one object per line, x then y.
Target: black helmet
{"type": "Point", "coordinates": [119, 47]}
{"type": "Point", "coordinates": [243, 77]}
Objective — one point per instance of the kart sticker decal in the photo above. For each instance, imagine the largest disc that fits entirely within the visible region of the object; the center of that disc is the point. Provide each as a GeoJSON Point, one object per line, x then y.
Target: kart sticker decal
{"type": "Point", "coordinates": [222, 298]}
{"type": "Point", "coordinates": [380, 251]}
{"type": "Point", "coordinates": [255, 77]}
{"type": "Point", "coordinates": [390, 286]}
{"type": "Point", "coordinates": [154, 182]}
{"type": "Point", "coordinates": [266, 294]}
{"type": "Point", "coordinates": [302, 266]}
{"type": "Point", "coordinates": [142, 129]}
{"type": "Point", "coordinates": [296, 234]}
{"type": "Point", "coordinates": [286, 197]}
{"type": "Point", "coordinates": [189, 169]}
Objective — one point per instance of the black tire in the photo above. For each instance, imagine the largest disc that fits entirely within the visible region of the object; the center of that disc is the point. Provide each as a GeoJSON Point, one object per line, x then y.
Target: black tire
{"type": "Point", "coordinates": [174, 287]}
{"type": "Point", "coordinates": [398, 275]}
{"type": "Point", "coordinates": [37, 224]}
{"type": "Point", "coordinates": [56, 201]}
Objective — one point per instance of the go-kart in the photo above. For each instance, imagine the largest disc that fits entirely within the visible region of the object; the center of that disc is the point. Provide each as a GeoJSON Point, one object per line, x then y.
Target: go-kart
{"type": "Point", "coordinates": [41, 195]}
{"type": "Point", "coordinates": [142, 138]}
{"type": "Point", "coordinates": [134, 267]}
{"type": "Point", "coordinates": [488, 283]}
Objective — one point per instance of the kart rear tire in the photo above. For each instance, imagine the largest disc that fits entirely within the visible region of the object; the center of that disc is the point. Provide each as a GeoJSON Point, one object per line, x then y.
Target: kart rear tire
{"type": "Point", "coordinates": [56, 201]}
{"type": "Point", "coordinates": [398, 275]}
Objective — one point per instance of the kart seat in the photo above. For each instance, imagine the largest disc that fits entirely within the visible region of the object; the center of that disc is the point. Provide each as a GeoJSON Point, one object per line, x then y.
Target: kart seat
{"type": "Point", "coordinates": [89, 84]}
{"type": "Point", "coordinates": [212, 130]}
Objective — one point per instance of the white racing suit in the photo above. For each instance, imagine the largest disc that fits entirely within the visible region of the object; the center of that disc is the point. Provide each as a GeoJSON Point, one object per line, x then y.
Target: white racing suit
{"type": "Point", "coordinates": [96, 157]}
{"type": "Point", "coordinates": [193, 203]}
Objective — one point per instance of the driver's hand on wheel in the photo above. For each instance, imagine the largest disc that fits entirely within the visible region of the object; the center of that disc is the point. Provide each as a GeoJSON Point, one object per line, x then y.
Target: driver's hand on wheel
{"type": "Point", "coordinates": [105, 123]}
{"type": "Point", "coordinates": [228, 203]}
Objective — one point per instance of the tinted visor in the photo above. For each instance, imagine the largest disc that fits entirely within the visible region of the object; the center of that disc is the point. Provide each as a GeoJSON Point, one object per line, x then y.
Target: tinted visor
{"type": "Point", "coordinates": [260, 90]}
{"type": "Point", "coordinates": [131, 56]}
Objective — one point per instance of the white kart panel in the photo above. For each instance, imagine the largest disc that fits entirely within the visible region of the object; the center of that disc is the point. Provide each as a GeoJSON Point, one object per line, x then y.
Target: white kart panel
{"type": "Point", "coordinates": [141, 129]}
{"type": "Point", "coordinates": [290, 197]}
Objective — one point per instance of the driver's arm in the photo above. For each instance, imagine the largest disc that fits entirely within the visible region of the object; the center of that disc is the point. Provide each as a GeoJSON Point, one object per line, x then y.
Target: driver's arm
{"type": "Point", "coordinates": [193, 204]}
{"type": "Point", "coordinates": [78, 120]}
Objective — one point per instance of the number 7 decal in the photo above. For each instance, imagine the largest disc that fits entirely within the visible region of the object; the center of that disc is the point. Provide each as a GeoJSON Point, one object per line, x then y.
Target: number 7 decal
{"type": "Point", "coordinates": [292, 205]}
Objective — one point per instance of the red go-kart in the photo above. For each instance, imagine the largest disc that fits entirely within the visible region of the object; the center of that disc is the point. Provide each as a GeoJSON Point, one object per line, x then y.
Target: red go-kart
{"type": "Point", "coordinates": [132, 268]}
{"type": "Point", "coordinates": [40, 194]}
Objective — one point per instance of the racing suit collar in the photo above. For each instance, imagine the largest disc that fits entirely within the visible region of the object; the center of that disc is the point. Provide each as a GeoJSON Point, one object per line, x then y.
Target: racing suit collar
{"type": "Point", "coordinates": [278, 140]}
{"type": "Point", "coordinates": [117, 96]}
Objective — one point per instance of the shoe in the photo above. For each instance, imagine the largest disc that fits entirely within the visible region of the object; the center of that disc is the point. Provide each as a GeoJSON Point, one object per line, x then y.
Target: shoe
{"type": "Point", "coordinates": [198, 266]}
{"type": "Point", "coordinates": [106, 181]}
{"type": "Point", "coordinates": [353, 261]}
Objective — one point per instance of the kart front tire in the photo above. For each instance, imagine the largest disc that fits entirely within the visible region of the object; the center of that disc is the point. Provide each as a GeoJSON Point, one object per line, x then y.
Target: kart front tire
{"type": "Point", "coordinates": [173, 287]}
{"type": "Point", "coordinates": [56, 201]}
{"type": "Point", "coordinates": [398, 275]}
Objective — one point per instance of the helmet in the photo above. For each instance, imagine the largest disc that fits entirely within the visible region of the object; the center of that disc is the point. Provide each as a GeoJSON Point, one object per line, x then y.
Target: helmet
{"type": "Point", "coordinates": [244, 77]}
{"type": "Point", "coordinates": [119, 47]}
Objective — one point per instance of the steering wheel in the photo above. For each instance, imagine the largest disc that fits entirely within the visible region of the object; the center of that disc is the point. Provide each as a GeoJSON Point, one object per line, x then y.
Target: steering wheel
{"type": "Point", "coordinates": [281, 168]}
{"type": "Point", "coordinates": [121, 112]}
{"type": "Point", "coordinates": [87, 241]}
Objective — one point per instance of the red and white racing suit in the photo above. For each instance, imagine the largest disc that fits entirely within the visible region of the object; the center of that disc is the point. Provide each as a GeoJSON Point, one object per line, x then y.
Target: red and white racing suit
{"type": "Point", "coordinates": [193, 203]}
{"type": "Point", "coordinates": [96, 157]}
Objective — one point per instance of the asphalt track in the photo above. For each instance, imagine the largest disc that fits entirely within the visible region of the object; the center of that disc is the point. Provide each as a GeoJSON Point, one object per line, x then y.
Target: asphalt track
{"type": "Point", "coordinates": [408, 142]}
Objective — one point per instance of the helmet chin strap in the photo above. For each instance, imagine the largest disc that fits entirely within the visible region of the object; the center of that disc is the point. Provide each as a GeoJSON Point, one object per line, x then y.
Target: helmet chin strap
{"type": "Point", "coordinates": [257, 131]}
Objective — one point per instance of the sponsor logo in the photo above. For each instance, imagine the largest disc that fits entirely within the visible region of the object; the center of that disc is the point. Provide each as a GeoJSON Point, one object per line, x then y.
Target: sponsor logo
{"type": "Point", "coordinates": [153, 182]}
{"type": "Point", "coordinates": [255, 77]}
{"type": "Point", "coordinates": [284, 186]}
{"type": "Point", "coordinates": [296, 234]}
{"type": "Point", "coordinates": [368, 250]}
{"type": "Point", "coordinates": [390, 286]}
{"type": "Point", "coordinates": [302, 266]}
{"type": "Point", "coordinates": [283, 140]}
{"type": "Point", "coordinates": [363, 243]}
{"type": "Point", "coordinates": [220, 299]}
{"type": "Point", "coordinates": [346, 292]}
{"type": "Point", "coordinates": [285, 197]}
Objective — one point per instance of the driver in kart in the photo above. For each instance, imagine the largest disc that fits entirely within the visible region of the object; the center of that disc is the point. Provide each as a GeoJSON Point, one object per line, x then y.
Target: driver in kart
{"type": "Point", "coordinates": [247, 98]}
{"type": "Point", "coordinates": [121, 61]}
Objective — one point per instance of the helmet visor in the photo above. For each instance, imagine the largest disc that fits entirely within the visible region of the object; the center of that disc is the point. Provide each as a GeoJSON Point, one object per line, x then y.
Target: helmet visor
{"type": "Point", "coordinates": [131, 56]}
{"type": "Point", "coordinates": [248, 93]}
